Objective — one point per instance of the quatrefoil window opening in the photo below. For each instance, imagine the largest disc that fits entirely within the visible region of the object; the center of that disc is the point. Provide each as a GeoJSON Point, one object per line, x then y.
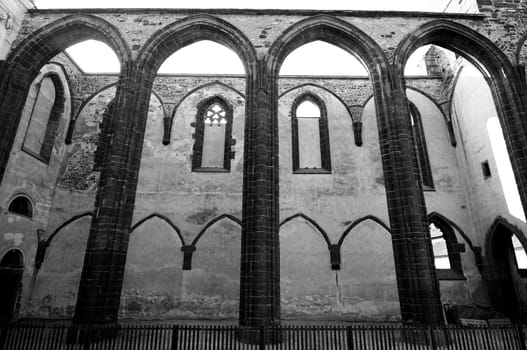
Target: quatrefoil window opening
{"type": "Point", "coordinates": [215, 115]}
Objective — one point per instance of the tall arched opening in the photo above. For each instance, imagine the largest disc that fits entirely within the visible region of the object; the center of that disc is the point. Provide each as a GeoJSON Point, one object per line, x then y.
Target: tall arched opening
{"type": "Point", "coordinates": [11, 271]}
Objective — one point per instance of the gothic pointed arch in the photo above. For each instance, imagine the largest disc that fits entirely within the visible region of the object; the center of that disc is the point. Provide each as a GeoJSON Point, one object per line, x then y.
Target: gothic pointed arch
{"type": "Point", "coordinates": [310, 135]}
{"type": "Point", "coordinates": [334, 31]}
{"type": "Point", "coordinates": [359, 221]}
{"type": "Point", "coordinates": [312, 222]}
{"type": "Point", "coordinates": [26, 59]}
{"type": "Point", "coordinates": [447, 257]}
{"type": "Point", "coordinates": [189, 30]}
{"type": "Point", "coordinates": [212, 136]}
{"type": "Point", "coordinates": [162, 218]}
{"type": "Point", "coordinates": [503, 79]}
{"type": "Point", "coordinates": [505, 282]}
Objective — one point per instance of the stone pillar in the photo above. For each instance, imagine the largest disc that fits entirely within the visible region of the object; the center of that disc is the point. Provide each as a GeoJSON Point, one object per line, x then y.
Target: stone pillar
{"type": "Point", "coordinates": [104, 261]}
{"type": "Point", "coordinates": [260, 270]}
{"type": "Point", "coordinates": [414, 263]}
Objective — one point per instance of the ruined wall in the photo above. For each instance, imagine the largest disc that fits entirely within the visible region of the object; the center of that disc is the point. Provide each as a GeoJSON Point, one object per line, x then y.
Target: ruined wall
{"type": "Point", "coordinates": [11, 14]}
{"type": "Point", "coordinates": [449, 199]}
{"type": "Point", "coordinates": [489, 197]}
{"type": "Point", "coordinates": [32, 176]}
{"type": "Point", "coordinates": [353, 189]}
{"type": "Point", "coordinates": [189, 201]}
{"type": "Point", "coordinates": [179, 205]}
{"type": "Point", "coordinates": [472, 107]}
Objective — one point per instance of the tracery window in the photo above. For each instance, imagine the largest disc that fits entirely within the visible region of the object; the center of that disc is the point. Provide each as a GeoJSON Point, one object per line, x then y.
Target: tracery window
{"type": "Point", "coordinates": [46, 112]}
{"type": "Point", "coordinates": [446, 249]}
{"type": "Point", "coordinates": [421, 150]}
{"type": "Point", "coordinates": [212, 145]}
{"type": "Point", "coordinates": [310, 135]}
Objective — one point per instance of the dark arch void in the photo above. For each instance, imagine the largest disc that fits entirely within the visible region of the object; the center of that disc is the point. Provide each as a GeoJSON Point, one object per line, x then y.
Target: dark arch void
{"type": "Point", "coordinates": [11, 271]}
{"type": "Point", "coordinates": [21, 205]}
{"type": "Point", "coordinates": [505, 282]}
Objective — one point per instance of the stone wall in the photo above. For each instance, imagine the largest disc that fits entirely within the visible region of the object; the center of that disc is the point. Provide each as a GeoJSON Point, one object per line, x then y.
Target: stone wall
{"type": "Point", "coordinates": [176, 207]}
{"type": "Point", "coordinates": [177, 212]}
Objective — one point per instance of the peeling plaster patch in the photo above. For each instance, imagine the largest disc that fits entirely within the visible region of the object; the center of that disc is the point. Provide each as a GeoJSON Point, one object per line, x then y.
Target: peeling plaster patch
{"type": "Point", "coordinates": [15, 237]}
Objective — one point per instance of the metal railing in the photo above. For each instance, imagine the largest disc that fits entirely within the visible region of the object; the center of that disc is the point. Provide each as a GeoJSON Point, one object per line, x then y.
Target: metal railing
{"type": "Point", "coordinates": [25, 336]}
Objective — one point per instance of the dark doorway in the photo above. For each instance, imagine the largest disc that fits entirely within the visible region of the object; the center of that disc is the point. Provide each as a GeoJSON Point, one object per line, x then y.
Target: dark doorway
{"type": "Point", "coordinates": [503, 270]}
{"type": "Point", "coordinates": [11, 270]}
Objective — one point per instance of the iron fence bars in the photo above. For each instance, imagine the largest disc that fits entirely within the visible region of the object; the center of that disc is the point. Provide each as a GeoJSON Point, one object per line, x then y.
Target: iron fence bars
{"type": "Point", "coordinates": [46, 336]}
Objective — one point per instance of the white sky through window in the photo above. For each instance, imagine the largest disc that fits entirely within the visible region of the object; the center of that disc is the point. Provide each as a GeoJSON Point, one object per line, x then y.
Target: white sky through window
{"type": "Point", "coordinates": [321, 58]}
{"type": "Point", "coordinates": [94, 56]}
{"type": "Point", "coordinates": [203, 57]}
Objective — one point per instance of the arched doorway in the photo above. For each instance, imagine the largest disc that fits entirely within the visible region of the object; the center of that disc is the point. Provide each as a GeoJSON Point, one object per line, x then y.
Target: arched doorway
{"type": "Point", "coordinates": [506, 290]}
{"type": "Point", "coordinates": [11, 270]}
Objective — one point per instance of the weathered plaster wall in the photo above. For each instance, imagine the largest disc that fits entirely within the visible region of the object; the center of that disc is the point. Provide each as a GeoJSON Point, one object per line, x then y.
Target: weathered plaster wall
{"type": "Point", "coordinates": [449, 199]}
{"type": "Point", "coordinates": [354, 189]}
{"type": "Point", "coordinates": [190, 200]}
{"type": "Point", "coordinates": [155, 284]}
{"type": "Point", "coordinates": [74, 194]}
{"type": "Point", "coordinates": [472, 107]}
{"type": "Point", "coordinates": [55, 286]}
{"type": "Point", "coordinates": [34, 178]}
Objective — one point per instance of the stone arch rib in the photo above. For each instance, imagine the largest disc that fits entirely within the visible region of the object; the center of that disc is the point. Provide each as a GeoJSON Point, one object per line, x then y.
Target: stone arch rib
{"type": "Point", "coordinates": [66, 223]}
{"type": "Point", "coordinates": [26, 59]}
{"type": "Point", "coordinates": [505, 82]}
{"type": "Point", "coordinates": [184, 32]}
{"type": "Point", "coordinates": [212, 222]}
{"type": "Point", "coordinates": [322, 232]}
{"type": "Point", "coordinates": [357, 222]}
{"type": "Point", "coordinates": [165, 219]}
{"type": "Point", "coordinates": [476, 48]}
{"type": "Point", "coordinates": [494, 228]}
{"type": "Point", "coordinates": [197, 88]}
{"type": "Point", "coordinates": [334, 31]}
{"type": "Point", "coordinates": [443, 218]}
{"type": "Point", "coordinates": [318, 86]}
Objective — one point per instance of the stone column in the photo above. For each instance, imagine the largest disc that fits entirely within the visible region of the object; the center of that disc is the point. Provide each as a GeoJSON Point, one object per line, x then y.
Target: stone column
{"type": "Point", "coordinates": [104, 262]}
{"type": "Point", "coordinates": [260, 271]}
{"type": "Point", "coordinates": [418, 286]}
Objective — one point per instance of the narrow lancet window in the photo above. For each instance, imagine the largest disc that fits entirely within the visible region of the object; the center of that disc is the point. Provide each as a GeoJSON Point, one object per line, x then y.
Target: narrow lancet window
{"type": "Point", "coordinates": [310, 136]}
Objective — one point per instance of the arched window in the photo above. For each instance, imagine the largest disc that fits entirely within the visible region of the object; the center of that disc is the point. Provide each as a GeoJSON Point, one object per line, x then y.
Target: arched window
{"type": "Point", "coordinates": [446, 249]}
{"type": "Point", "coordinates": [212, 145]}
{"type": "Point", "coordinates": [420, 144]}
{"type": "Point", "coordinates": [310, 136]}
{"type": "Point", "coordinates": [44, 122]}
{"type": "Point", "coordinates": [21, 205]}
